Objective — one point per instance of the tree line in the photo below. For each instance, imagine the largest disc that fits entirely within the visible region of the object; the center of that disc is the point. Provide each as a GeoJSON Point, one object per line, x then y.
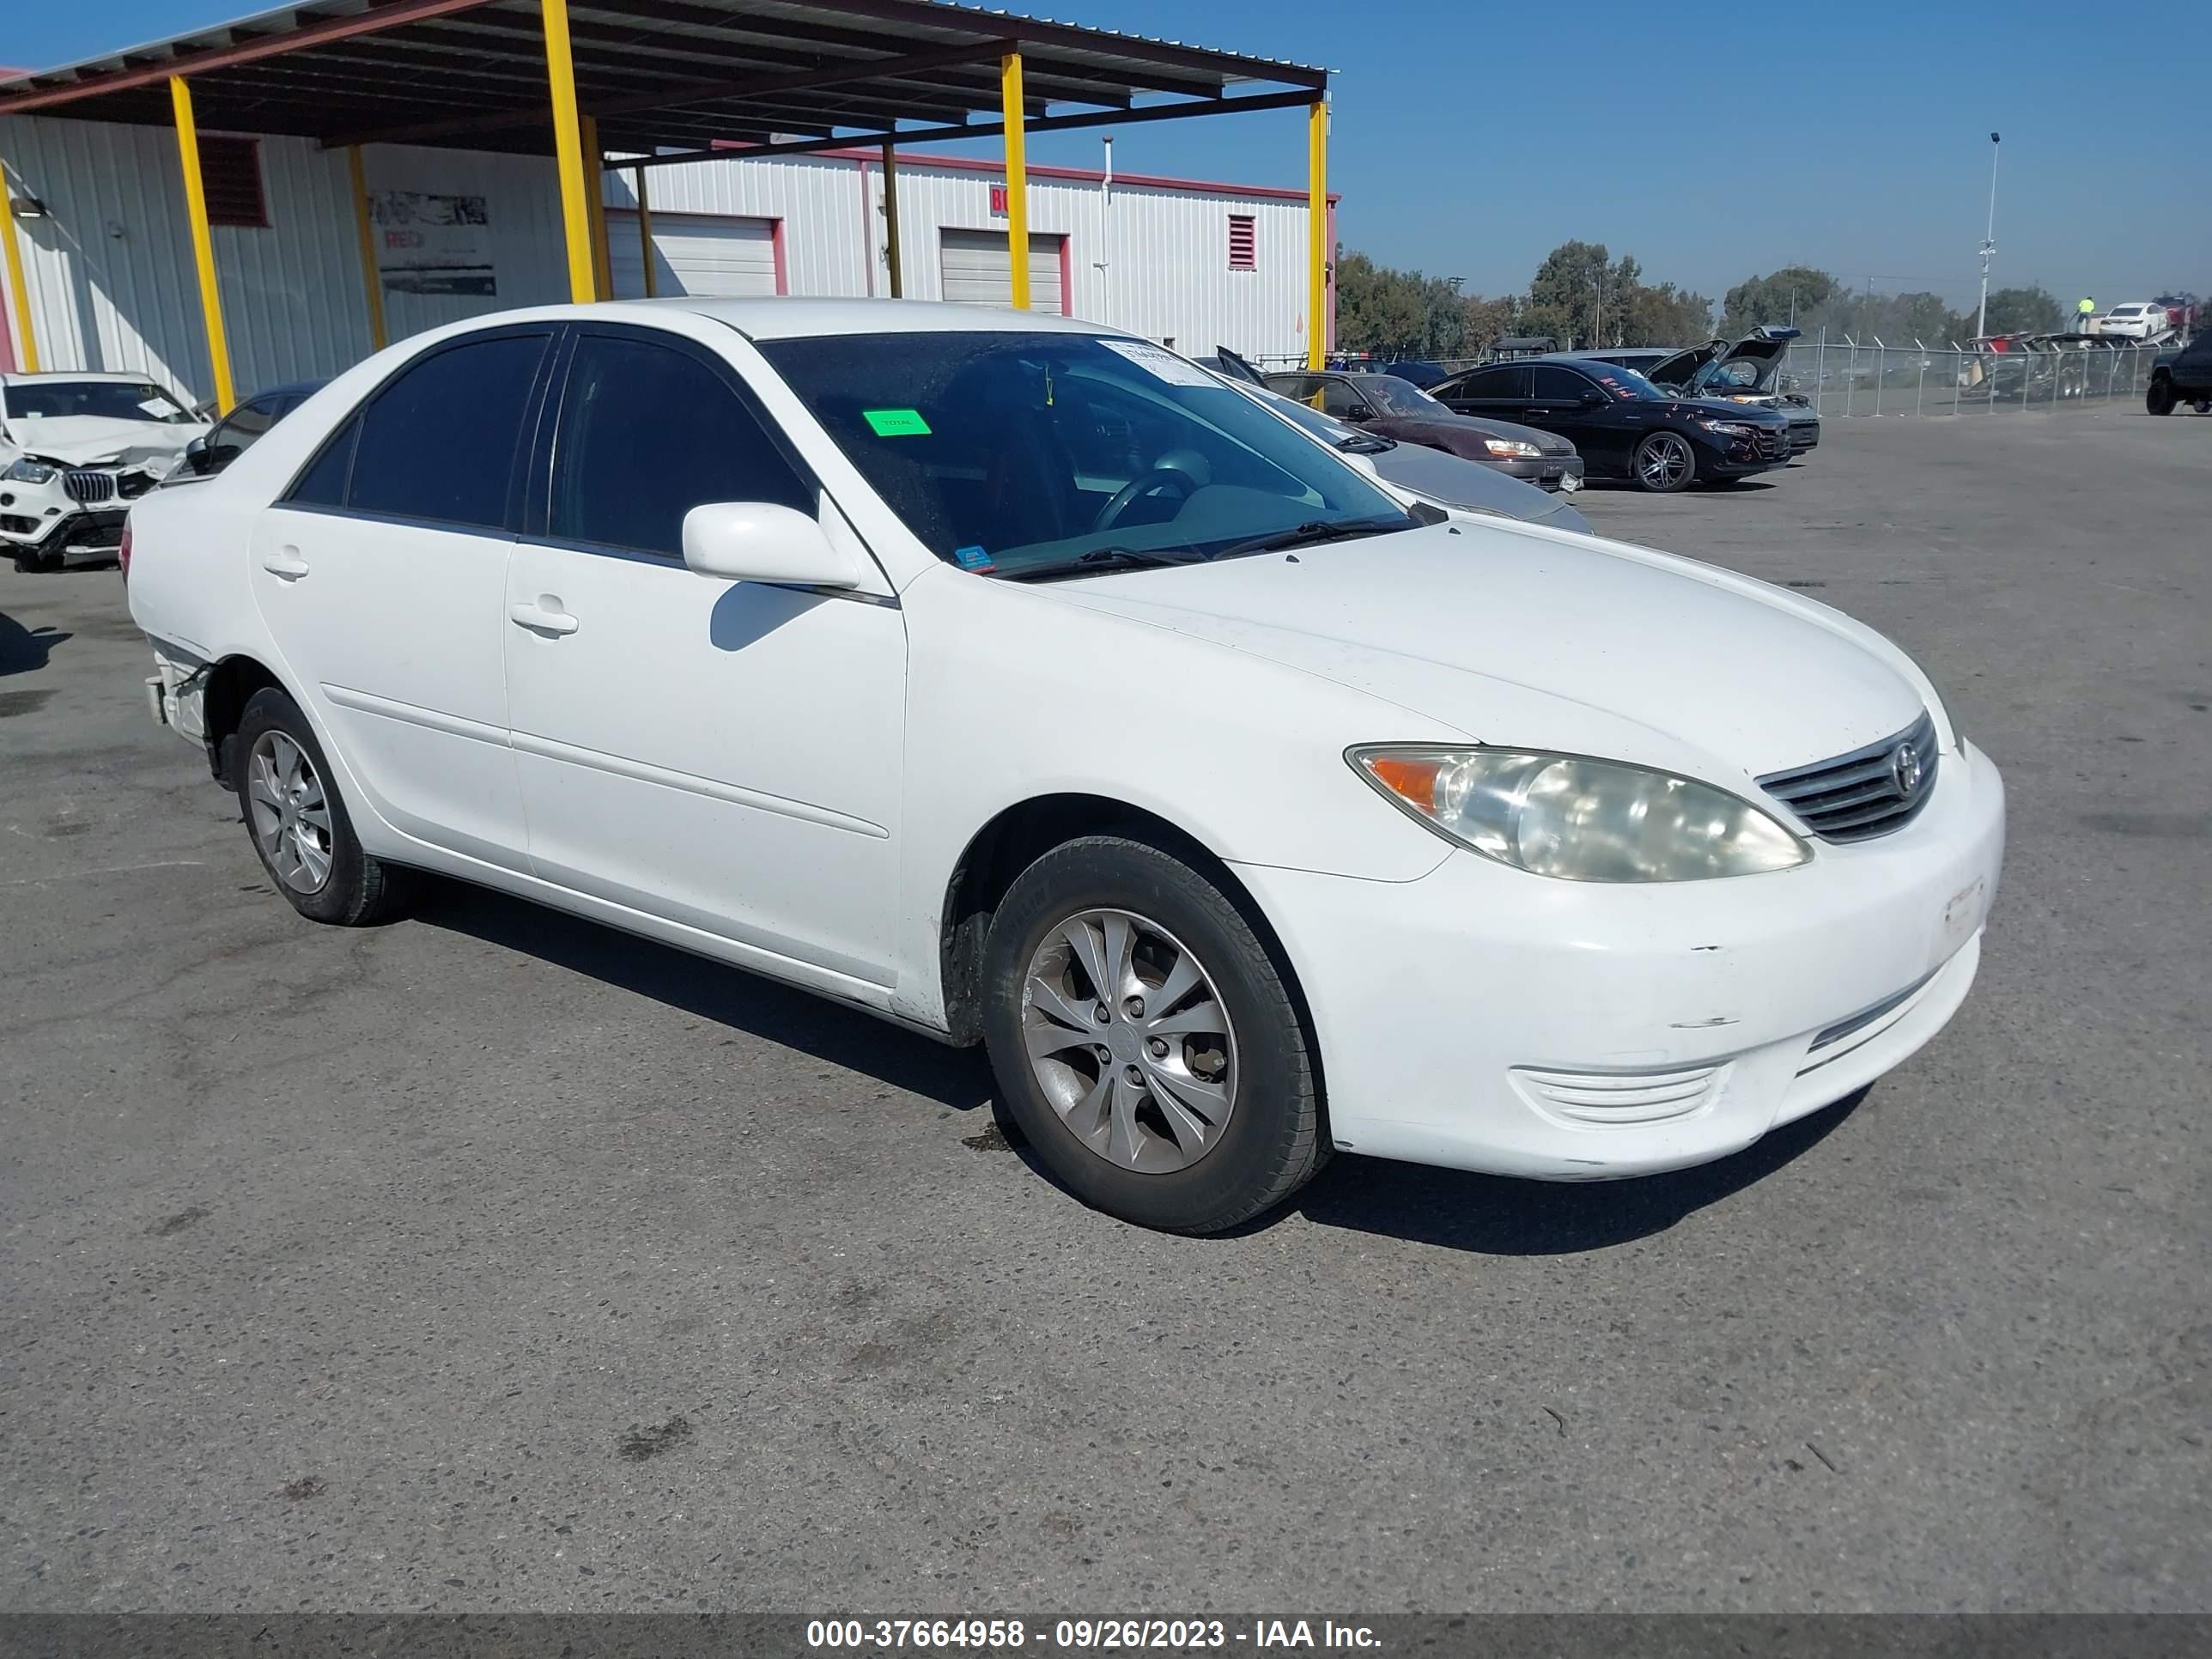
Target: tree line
{"type": "Point", "coordinates": [1582, 297]}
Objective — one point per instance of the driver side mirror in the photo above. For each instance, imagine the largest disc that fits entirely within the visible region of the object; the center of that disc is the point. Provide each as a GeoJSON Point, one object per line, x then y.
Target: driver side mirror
{"type": "Point", "coordinates": [1591, 400]}
{"type": "Point", "coordinates": [1359, 413]}
{"type": "Point", "coordinates": [760, 542]}
{"type": "Point", "coordinates": [196, 455]}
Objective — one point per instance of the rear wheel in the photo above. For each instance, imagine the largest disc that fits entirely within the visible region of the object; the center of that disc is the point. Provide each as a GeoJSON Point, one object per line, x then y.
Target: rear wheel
{"type": "Point", "coordinates": [299, 823]}
{"type": "Point", "coordinates": [2160, 399]}
{"type": "Point", "coordinates": [1145, 1042]}
{"type": "Point", "coordinates": [1665, 463]}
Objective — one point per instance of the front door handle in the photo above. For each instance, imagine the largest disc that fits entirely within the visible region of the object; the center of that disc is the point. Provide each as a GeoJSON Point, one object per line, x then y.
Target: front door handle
{"type": "Point", "coordinates": [286, 564]}
{"type": "Point", "coordinates": [546, 617]}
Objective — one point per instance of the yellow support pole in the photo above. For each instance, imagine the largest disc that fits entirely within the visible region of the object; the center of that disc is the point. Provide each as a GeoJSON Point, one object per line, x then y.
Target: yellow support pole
{"type": "Point", "coordinates": [890, 219]}
{"type": "Point", "coordinates": [1318, 247]}
{"type": "Point", "coordinates": [372, 279]}
{"type": "Point", "coordinates": [1017, 177]}
{"type": "Point", "coordinates": [595, 198]}
{"type": "Point", "coordinates": [19, 291]}
{"type": "Point", "coordinates": [188, 152]}
{"type": "Point", "coordinates": [568, 152]}
{"type": "Point", "coordinates": [644, 232]}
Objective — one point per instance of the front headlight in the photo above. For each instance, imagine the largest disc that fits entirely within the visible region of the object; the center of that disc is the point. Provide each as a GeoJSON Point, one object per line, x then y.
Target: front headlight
{"type": "Point", "coordinates": [1512, 446]}
{"type": "Point", "coordinates": [1580, 819]}
{"type": "Point", "coordinates": [1729, 428]}
{"type": "Point", "coordinates": [27, 471]}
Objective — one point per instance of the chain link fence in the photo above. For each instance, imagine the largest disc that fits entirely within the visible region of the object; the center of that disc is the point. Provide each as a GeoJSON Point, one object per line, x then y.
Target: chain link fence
{"type": "Point", "coordinates": [1853, 377]}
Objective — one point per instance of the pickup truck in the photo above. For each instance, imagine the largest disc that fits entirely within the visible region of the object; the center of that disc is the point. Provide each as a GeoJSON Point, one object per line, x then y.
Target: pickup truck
{"type": "Point", "coordinates": [2183, 376]}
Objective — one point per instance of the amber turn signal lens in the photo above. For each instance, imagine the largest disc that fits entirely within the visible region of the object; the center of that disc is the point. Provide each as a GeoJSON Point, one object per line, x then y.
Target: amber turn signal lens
{"type": "Point", "coordinates": [1413, 780]}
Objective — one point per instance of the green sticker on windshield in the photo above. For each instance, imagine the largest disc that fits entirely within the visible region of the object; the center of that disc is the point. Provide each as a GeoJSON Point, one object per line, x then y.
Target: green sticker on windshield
{"type": "Point", "coordinates": [896, 422]}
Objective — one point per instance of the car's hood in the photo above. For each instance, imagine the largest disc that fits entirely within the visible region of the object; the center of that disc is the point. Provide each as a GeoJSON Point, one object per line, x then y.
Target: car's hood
{"type": "Point", "coordinates": [95, 441]}
{"type": "Point", "coordinates": [1457, 482]}
{"type": "Point", "coordinates": [1510, 636]}
{"type": "Point", "coordinates": [1445, 425]}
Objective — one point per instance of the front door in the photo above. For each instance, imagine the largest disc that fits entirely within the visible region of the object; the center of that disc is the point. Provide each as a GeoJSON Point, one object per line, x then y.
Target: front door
{"type": "Point", "coordinates": [382, 576]}
{"type": "Point", "coordinates": [1568, 401]}
{"type": "Point", "coordinates": [724, 756]}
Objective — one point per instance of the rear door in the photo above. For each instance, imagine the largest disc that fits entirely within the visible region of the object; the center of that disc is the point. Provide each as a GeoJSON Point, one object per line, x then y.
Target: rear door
{"type": "Point", "coordinates": [382, 574]}
{"type": "Point", "coordinates": [724, 756]}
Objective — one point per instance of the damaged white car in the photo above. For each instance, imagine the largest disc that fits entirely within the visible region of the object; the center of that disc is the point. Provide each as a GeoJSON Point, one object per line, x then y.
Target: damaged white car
{"type": "Point", "coordinates": [76, 450]}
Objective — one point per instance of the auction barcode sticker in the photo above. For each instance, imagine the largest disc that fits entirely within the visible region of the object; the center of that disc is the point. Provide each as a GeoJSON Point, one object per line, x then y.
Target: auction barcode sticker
{"type": "Point", "coordinates": [1161, 362]}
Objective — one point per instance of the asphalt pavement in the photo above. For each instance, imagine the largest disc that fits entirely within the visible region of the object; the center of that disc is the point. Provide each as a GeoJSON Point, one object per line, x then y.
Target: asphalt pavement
{"type": "Point", "coordinates": [494, 1261]}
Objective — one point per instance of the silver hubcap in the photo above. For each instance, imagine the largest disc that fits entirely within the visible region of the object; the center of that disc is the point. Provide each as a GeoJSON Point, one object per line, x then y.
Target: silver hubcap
{"type": "Point", "coordinates": [291, 812]}
{"type": "Point", "coordinates": [1129, 1041]}
{"type": "Point", "coordinates": [1664, 461]}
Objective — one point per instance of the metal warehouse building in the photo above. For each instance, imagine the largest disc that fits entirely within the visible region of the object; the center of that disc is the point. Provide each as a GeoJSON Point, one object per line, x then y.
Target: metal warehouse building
{"type": "Point", "coordinates": [408, 202]}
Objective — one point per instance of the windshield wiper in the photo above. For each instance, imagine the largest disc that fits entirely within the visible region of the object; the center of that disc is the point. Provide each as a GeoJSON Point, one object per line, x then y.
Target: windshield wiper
{"type": "Point", "coordinates": [1363, 443]}
{"type": "Point", "coordinates": [1319, 529]}
{"type": "Point", "coordinates": [1099, 560]}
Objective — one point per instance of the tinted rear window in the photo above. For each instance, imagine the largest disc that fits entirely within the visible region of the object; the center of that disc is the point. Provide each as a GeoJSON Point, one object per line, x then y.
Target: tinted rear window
{"type": "Point", "coordinates": [438, 442]}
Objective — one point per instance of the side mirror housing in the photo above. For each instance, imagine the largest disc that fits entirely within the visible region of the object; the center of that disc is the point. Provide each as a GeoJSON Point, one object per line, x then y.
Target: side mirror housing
{"type": "Point", "coordinates": [196, 454]}
{"type": "Point", "coordinates": [760, 542]}
{"type": "Point", "coordinates": [1359, 413]}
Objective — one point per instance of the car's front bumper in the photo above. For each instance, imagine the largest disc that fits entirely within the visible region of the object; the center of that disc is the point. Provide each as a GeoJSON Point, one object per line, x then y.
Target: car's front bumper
{"type": "Point", "coordinates": [1487, 1019]}
{"type": "Point", "coordinates": [1552, 473]}
{"type": "Point", "coordinates": [78, 533]}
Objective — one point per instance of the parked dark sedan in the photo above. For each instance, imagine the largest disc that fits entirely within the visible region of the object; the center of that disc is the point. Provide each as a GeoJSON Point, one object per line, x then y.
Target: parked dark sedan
{"type": "Point", "coordinates": [1624, 426]}
{"type": "Point", "coordinates": [241, 429]}
{"type": "Point", "coordinates": [1384, 404]}
{"type": "Point", "coordinates": [1749, 371]}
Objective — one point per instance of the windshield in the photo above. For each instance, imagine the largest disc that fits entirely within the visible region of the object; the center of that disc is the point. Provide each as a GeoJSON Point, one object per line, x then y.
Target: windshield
{"type": "Point", "coordinates": [1741, 375]}
{"type": "Point", "coordinates": [1327, 427]}
{"type": "Point", "coordinates": [108, 400]}
{"type": "Point", "coordinates": [1019, 454]}
{"type": "Point", "coordinates": [1623, 383]}
{"type": "Point", "coordinates": [1397, 397]}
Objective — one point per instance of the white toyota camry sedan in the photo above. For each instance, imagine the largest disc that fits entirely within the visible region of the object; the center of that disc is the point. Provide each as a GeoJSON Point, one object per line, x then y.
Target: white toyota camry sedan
{"type": "Point", "coordinates": [1020, 682]}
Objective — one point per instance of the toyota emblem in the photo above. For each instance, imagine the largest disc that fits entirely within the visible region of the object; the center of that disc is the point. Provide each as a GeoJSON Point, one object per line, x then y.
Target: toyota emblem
{"type": "Point", "coordinates": [1905, 768]}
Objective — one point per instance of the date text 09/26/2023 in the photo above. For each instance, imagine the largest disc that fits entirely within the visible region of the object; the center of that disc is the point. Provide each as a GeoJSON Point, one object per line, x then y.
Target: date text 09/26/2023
{"type": "Point", "coordinates": [1004, 1635]}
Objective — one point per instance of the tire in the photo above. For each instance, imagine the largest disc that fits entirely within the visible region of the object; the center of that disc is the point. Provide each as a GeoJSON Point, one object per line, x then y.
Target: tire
{"type": "Point", "coordinates": [2160, 399]}
{"type": "Point", "coordinates": [34, 564]}
{"type": "Point", "coordinates": [294, 812]}
{"type": "Point", "coordinates": [1664, 463]}
{"type": "Point", "coordinates": [1190, 1128]}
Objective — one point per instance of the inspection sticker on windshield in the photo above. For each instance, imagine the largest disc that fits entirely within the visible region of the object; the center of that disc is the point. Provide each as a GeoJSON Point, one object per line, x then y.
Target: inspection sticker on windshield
{"type": "Point", "coordinates": [1163, 362]}
{"type": "Point", "coordinates": [896, 422]}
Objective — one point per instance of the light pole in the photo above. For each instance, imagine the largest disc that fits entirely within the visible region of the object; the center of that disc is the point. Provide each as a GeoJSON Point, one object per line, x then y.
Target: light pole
{"type": "Point", "coordinates": [1989, 242]}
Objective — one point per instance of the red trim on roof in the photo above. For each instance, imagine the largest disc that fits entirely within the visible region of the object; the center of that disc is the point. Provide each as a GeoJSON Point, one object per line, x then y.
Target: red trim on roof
{"type": "Point", "coordinates": [1086, 175]}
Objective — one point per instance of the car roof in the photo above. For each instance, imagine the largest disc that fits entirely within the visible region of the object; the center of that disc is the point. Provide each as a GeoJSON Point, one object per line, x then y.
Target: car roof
{"type": "Point", "coordinates": [88, 374]}
{"type": "Point", "coordinates": [785, 319]}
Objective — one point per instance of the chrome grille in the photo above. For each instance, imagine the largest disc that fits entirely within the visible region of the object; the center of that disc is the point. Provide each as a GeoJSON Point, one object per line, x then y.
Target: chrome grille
{"type": "Point", "coordinates": [1867, 793]}
{"type": "Point", "coordinates": [88, 486]}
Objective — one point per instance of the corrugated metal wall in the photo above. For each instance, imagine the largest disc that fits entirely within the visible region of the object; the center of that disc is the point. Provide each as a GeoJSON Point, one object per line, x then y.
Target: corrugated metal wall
{"type": "Point", "coordinates": [1165, 250]}
{"type": "Point", "coordinates": [110, 268]}
{"type": "Point", "coordinates": [112, 287]}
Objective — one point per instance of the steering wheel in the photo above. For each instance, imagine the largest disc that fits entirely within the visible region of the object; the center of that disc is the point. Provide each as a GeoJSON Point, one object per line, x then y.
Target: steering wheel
{"type": "Point", "coordinates": [1138, 488]}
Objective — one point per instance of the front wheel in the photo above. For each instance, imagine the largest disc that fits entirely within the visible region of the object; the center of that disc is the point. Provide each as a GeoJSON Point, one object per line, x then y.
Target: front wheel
{"type": "Point", "coordinates": [1143, 1038]}
{"type": "Point", "coordinates": [299, 823]}
{"type": "Point", "coordinates": [2160, 399]}
{"type": "Point", "coordinates": [1665, 463]}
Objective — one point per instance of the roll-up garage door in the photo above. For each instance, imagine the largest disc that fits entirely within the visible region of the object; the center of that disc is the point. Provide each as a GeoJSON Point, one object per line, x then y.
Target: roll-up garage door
{"type": "Point", "coordinates": [698, 254]}
{"type": "Point", "coordinates": [978, 269]}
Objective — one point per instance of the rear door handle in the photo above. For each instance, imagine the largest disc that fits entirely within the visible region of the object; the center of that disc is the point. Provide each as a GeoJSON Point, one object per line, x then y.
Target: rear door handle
{"type": "Point", "coordinates": [545, 617]}
{"type": "Point", "coordinates": [286, 563]}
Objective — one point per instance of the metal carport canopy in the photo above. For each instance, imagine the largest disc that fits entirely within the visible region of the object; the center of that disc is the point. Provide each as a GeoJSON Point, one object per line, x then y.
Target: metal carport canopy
{"type": "Point", "coordinates": [666, 80]}
{"type": "Point", "coordinates": [656, 74]}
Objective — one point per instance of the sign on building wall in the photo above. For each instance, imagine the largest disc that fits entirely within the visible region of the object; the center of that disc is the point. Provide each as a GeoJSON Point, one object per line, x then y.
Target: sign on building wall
{"type": "Point", "coordinates": [427, 243]}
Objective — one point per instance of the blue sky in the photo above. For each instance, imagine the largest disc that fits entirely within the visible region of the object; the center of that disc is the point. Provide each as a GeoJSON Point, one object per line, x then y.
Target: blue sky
{"type": "Point", "coordinates": [1470, 138]}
